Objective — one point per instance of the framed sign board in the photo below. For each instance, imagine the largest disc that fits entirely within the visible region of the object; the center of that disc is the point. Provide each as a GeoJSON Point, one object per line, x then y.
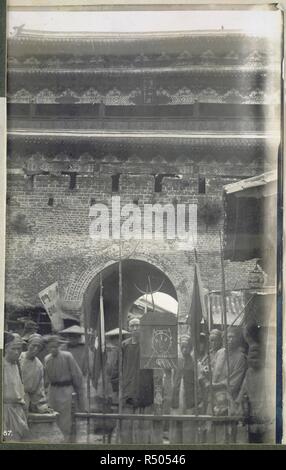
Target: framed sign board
{"type": "Point", "coordinates": [158, 341]}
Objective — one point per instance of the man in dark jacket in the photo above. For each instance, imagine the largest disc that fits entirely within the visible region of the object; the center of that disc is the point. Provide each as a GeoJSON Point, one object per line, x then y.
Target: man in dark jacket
{"type": "Point", "coordinates": [138, 389]}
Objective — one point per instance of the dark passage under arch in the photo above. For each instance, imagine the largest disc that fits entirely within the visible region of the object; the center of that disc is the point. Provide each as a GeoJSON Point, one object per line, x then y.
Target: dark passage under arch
{"type": "Point", "coordinates": [135, 275]}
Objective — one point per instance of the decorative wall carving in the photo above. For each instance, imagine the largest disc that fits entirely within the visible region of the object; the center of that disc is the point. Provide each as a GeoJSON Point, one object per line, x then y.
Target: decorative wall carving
{"type": "Point", "coordinates": [115, 97]}
{"type": "Point", "coordinates": [22, 96]}
{"type": "Point", "coordinates": [209, 95]}
{"type": "Point", "coordinates": [207, 57]}
{"type": "Point", "coordinates": [163, 96]}
{"type": "Point", "coordinates": [183, 96]}
{"type": "Point", "coordinates": [12, 61]}
{"type": "Point", "coordinates": [37, 163]}
{"type": "Point", "coordinates": [164, 57]}
{"type": "Point", "coordinates": [54, 62]}
{"type": "Point", "coordinates": [68, 96]}
{"type": "Point", "coordinates": [232, 55]}
{"type": "Point", "coordinates": [45, 96]}
{"type": "Point", "coordinates": [184, 57]}
{"type": "Point", "coordinates": [160, 95]}
{"type": "Point", "coordinates": [141, 59]}
{"type": "Point", "coordinates": [255, 58]}
{"type": "Point", "coordinates": [32, 61]}
{"type": "Point", "coordinates": [135, 97]}
{"type": "Point", "coordinates": [75, 60]}
{"type": "Point", "coordinates": [99, 61]}
{"type": "Point", "coordinates": [233, 96]}
{"type": "Point", "coordinates": [91, 96]}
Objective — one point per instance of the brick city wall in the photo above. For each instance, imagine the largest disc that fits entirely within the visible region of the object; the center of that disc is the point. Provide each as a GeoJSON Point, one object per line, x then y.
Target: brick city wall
{"type": "Point", "coordinates": [48, 225]}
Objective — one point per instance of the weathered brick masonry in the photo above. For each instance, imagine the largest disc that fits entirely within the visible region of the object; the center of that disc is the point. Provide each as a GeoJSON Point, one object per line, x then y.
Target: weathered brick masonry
{"type": "Point", "coordinates": [56, 171]}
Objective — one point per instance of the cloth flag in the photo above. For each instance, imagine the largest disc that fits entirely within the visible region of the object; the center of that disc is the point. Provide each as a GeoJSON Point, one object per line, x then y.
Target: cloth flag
{"type": "Point", "coordinates": [198, 309]}
{"type": "Point", "coordinates": [50, 299]}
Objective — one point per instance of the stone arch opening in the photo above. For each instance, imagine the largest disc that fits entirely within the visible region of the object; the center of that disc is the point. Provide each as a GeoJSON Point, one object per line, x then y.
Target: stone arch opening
{"type": "Point", "coordinates": [135, 275]}
{"type": "Point", "coordinates": [158, 302]}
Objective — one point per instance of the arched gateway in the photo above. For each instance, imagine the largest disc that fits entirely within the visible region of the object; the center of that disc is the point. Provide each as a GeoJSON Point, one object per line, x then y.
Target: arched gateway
{"type": "Point", "coordinates": [135, 274]}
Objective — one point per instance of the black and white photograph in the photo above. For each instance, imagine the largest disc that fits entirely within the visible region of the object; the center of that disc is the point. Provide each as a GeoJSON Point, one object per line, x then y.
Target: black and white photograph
{"type": "Point", "coordinates": [141, 226]}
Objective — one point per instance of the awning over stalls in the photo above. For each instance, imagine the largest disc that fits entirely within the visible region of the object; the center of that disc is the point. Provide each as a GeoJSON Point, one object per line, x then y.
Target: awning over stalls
{"type": "Point", "coordinates": [247, 215]}
{"type": "Point", "coordinates": [243, 306]}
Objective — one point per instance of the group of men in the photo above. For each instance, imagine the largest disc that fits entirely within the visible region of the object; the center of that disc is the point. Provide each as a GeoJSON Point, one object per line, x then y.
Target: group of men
{"type": "Point", "coordinates": [222, 382]}
{"type": "Point", "coordinates": [35, 386]}
{"type": "Point", "coordinates": [230, 382]}
{"type": "Point", "coordinates": [226, 381]}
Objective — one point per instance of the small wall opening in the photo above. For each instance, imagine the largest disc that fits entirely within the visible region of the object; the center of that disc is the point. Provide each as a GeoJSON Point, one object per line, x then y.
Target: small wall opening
{"type": "Point", "coordinates": [31, 182]}
{"type": "Point", "coordinates": [115, 180]}
{"type": "Point", "coordinates": [159, 180]}
{"type": "Point", "coordinates": [73, 176]}
{"type": "Point", "coordinates": [202, 185]}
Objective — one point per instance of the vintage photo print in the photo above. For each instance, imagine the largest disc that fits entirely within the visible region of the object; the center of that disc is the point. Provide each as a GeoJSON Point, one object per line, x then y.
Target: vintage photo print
{"type": "Point", "coordinates": [141, 226]}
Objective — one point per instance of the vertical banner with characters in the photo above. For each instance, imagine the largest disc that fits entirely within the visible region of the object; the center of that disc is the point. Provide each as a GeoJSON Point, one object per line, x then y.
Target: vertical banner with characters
{"type": "Point", "coordinates": [51, 300]}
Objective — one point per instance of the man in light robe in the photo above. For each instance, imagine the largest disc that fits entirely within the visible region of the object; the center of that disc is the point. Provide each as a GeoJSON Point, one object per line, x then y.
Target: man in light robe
{"type": "Point", "coordinates": [82, 354]}
{"type": "Point", "coordinates": [183, 395]}
{"type": "Point", "coordinates": [63, 377]}
{"type": "Point", "coordinates": [76, 345]}
{"type": "Point", "coordinates": [15, 420]}
{"type": "Point", "coordinates": [33, 376]}
{"type": "Point", "coordinates": [237, 366]}
{"type": "Point", "coordinates": [253, 395]}
{"type": "Point", "coordinates": [227, 383]}
{"type": "Point", "coordinates": [206, 367]}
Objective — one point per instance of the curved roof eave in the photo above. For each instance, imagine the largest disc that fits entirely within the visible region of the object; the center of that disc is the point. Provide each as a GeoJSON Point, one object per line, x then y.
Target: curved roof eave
{"type": "Point", "coordinates": [129, 43]}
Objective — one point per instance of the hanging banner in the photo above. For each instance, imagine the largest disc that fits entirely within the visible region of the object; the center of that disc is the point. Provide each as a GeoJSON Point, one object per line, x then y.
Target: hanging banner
{"type": "Point", "coordinates": [51, 301]}
{"type": "Point", "coordinates": [158, 341]}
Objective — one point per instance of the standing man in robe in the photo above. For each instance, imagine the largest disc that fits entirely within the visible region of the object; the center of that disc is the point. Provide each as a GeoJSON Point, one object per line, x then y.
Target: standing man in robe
{"type": "Point", "coordinates": [64, 377]}
{"type": "Point", "coordinates": [227, 383]}
{"type": "Point", "coordinates": [207, 363]}
{"type": "Point", "coordinates": [76, 345]}
{"type": "Point", "coordinates": [183, 395]}
{"type": "Point", "coordinates": [253, 395]}
{"type": "Point", "coordinates": [15, 419]}
{"type": "Point", "coordinates": [33, 376]}
{"type": "Point", "coordinates": [237, 369]}
{"type": "Point", "coordinates": [82, 354]}
{"type": "Point", "coordinates": [138, 389]}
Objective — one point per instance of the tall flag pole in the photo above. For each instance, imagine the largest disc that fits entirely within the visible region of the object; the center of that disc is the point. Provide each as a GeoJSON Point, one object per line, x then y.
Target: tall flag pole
{"type": "Point", "coordinates": [102, 348]}
{"type": "Point", "coordinates": [194, 320]}
{"type": "Point", "coordinates": [197, 313]}
{"type": "Point", "coordinates": [120, 358]}
{"type": "Point", "coordinates": [102, 322]}
{"type": "Point", "coordinates": [224, 317]}
{"type": "Point", "coordinates": [86, 325]}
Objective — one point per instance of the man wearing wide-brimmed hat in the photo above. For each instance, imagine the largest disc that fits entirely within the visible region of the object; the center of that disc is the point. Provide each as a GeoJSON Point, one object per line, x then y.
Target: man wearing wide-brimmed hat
{"type": "Point", "coordinates": [64, 377]}
{"type": "Point", "coordinates": [33, 375]}
{"type": "Point", "coordinates": [30, 327]}
{"type": "Point", "coordinates": [15, 419]}
{"type": "Point", "coordinates": [75, 344]}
